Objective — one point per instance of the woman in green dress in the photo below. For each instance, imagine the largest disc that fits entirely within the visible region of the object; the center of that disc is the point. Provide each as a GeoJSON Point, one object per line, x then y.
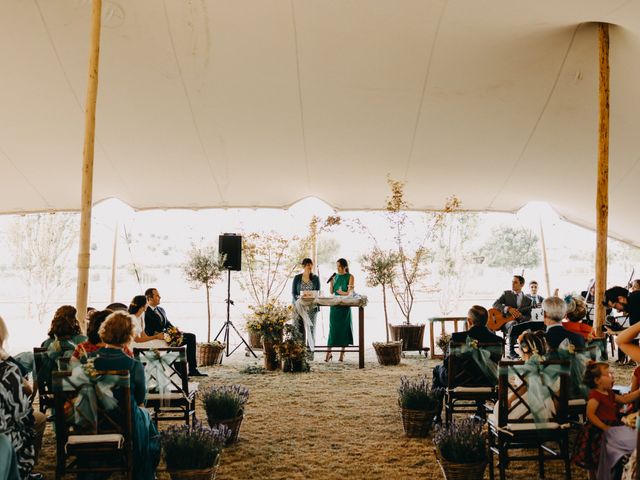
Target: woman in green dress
{"type": "Point", "coordinates": [340, 331]}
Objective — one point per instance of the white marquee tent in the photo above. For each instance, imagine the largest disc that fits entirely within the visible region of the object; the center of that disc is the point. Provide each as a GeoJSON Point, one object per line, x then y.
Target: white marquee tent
{"type": "Point", "coordinates": [209, 103]}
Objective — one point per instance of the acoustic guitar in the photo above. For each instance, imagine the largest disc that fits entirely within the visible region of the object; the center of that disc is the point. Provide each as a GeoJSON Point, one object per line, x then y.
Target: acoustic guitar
{"type": "Point", "coordinates": [497, 319]}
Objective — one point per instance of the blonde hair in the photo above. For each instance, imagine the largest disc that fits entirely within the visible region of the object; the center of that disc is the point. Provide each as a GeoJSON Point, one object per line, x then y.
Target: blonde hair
{"type": "Point", "coordinates": [4, 334]}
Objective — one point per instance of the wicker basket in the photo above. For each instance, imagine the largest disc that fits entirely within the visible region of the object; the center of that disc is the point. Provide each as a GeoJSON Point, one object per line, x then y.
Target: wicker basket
{"type": "Point", "coordinates": [200, 474]}
{"type": "Point", "coordinates": [389, 353]}
{"type": "Point", "coordinates": [233, 424]}
{"type": "Point", "coordinates": [209, 354]}
{"type": "Point", "coordinates": [417, 423]}
{"type": "Point", "coordinates": [461, 471]}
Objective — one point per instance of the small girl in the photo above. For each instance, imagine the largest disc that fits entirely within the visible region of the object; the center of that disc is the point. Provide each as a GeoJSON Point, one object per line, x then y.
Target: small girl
{"type": "Point", "coordinates": [602, 413]}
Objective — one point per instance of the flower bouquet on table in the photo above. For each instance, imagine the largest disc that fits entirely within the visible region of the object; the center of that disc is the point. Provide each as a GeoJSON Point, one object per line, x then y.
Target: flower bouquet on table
{"type": "Point", "coordinates": [173, 337]}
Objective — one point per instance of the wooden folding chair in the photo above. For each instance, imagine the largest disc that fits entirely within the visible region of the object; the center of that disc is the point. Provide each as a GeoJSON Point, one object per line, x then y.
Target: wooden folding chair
{"type": "Point", "coordinates": [521, 432]}
{"type": "Point", "coordinates": [169, 392]}
{"type": "Point", "coordinates": [43, 367]}
{"type": "Point", "coordinates": [88, 440]}
{"type": "Point", "coordinates": [469, 387]}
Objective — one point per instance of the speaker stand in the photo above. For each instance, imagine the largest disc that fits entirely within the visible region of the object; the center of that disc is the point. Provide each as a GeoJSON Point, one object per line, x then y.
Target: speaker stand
{"type": "Point", "coordinates": [229, 323]}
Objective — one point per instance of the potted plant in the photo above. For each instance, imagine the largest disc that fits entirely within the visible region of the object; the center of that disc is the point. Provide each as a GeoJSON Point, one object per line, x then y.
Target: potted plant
{"type": "Point", "coordinates": [292, 351]}
{"type": "Point", "coordinates": [210, 353]}
{"type": "Point", "coordinates": [224, 405]}
{"type": "Point", "coordinates": [192, 451]}
{"type": "Point", "coordinates": [380, 268]}
{"type": "Point", "coordinates": [461, 450]}
{"type": "Point", "coordinates": [204, 266]}
{"type": "Point", "coordinates": [268, 321]}
{"type": "Point", "coordinates": [418, 404]}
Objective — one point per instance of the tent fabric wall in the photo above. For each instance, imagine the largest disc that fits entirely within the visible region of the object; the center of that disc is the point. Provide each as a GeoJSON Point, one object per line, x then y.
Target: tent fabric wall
{"type": "Point", "coordinates": [260, 103]}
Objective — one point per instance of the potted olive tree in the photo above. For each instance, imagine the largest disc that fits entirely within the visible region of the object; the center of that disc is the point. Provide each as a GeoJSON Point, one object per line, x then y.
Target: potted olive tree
{"type": "Point", "coordinates": [380, 268]}
{"type": "Point", "coordinates": [411, 264]}
{"type": "Point", "coordinates": [204, 266]}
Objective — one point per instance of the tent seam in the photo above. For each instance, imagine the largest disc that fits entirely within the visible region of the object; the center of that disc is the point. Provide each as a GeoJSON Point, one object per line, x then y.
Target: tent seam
{"type": "Point", "coordinates": [425, 82]}
{"type": "Point", "coordinates": [538, 119]}
{"type": "Point", "coordinates": [302, 122]}
{"type": "Point", "coordinates": [25, 178]}
{"type": "Point", "coordinates": [189, 103]}
{"type": "Point", "coordinates": [75, 96]}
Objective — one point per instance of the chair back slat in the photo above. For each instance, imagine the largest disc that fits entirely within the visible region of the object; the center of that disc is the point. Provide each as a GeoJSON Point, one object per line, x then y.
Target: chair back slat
{"type": "Point", "coordinates": [463, 370]}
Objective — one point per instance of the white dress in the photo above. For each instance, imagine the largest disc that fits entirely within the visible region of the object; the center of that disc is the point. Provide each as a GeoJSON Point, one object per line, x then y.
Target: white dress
{"type": "Point", "coordinates": [138, 328]}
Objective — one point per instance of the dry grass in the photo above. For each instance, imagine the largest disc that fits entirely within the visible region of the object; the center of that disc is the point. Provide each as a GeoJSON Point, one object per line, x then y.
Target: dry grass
{"type": "Point", "coordinates": [335, 422]}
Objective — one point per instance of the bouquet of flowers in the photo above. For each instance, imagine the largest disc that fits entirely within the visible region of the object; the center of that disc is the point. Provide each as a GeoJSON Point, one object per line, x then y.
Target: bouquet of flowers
{"type": "Point", "coordinates": [293, 351]}
{"type": "Point", "coordinates": [443, 342]}
{"type": "Point", "coordinates": [268, 320]}
{"type": "Point", "coordinates": [173, 337]}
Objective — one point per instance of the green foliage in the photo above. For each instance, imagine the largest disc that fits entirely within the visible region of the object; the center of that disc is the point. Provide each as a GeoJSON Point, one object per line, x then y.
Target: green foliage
{"type": "Point", "coordinates": [204, 266]}
{"type": "Point", "coordinates": [254, 370]}
{"type": "Point", "coordinates": [192, 447]}
{"type": "Point", "coordinates": [224, 402]}
{"type": "Point", "coordinates": [416, 393]}
{"type": "Point", "coordinates": [379, 266]}
{"type": "Point", "coordinates": [462, 441]}
{"type": "Point", "coordinates": [512, 247]}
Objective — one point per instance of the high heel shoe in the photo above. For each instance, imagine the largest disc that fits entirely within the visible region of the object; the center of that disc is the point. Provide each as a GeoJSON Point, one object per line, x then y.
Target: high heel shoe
{"type": "Point", "coordinates": [341, 359]}
{"type": "Point", "coordinates": [328, 357]}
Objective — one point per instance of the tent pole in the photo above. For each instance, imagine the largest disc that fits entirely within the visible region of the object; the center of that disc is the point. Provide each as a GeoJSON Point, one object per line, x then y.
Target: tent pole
{"type": "Point", "coordinates": [544, 259]}
{"type": "Point", "coordinates": [114, 266]}
{"type": "Point", "coordinates": [87, 165]}
{"type": "Point", "coordinates": [602, 195]}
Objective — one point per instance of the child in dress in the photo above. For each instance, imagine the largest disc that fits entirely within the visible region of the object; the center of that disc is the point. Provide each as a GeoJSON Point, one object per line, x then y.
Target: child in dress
{"type": "Point", "coordinates": [602, 413]}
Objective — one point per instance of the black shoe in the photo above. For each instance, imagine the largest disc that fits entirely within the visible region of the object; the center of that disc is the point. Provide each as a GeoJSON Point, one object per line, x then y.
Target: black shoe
{"type": "Point", "coordinates": [513, 356]}
{"type": "Point", "coordinates": [35, 476]}
{"type": "Point", "coordinates": [197, 373]}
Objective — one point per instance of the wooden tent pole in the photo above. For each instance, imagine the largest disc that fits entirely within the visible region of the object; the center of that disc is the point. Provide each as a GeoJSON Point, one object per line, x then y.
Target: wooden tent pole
{"type": "Point", "coordinates": [544, 259]}
{"type": "Point", "coordinates": [602, 195]}
{"type": "Point", "coordinates": [87, 165]}
{"type": "Point", "coordinates": [114, 265]}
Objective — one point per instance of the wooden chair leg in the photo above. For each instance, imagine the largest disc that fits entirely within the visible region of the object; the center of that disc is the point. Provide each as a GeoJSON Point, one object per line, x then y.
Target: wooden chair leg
{"type": "Point", "coordinates": [541, 461]}
{"type": "Point", "coordinates": [567, 456]}
{"type": "Point", "coordinates": [502, 460]}
{"type": "Point", "coordinates": [490, 456]}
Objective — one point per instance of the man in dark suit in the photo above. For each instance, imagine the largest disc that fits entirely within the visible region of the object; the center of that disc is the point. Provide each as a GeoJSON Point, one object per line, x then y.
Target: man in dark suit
{"type": "Point", "coordinates": [156, 321]}
{"type": "Point", "coordinates": [554, 310]}
{"type": "Point", "coordinates": [514, 303]}
{"type": "Point", "coordinates": [476, 329]}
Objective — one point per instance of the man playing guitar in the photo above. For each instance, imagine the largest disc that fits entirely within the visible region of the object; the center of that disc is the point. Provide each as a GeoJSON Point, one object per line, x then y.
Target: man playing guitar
{"type": "Point", "coordinates": [515, 304]}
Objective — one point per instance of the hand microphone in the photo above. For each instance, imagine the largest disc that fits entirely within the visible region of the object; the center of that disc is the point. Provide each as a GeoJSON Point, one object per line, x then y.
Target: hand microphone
{"type": "Point", "coordinates": [331, 277]}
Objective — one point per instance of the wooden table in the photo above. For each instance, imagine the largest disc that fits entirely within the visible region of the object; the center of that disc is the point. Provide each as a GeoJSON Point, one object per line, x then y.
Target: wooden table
{"type": "Point", "coordinates": [443, 322]}
{"type": "Point", "coordinates": [360, 303]}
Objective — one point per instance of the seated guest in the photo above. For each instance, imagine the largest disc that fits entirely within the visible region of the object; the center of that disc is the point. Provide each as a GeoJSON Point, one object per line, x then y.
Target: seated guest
{"type": "Point", "coordinates": [17, 419]}
{"type": "Point", "coordinates": [575, 316]}
{"type": "Point", "coordinates": [65, 327]}
{"type": "Point", "coordinates": [94, 342]}
{"type": "Point", "coordinates": [554, 311]}
{"type": "Point", "coordinates": [532, 347]}
{"type": "Point", "coordinates": [156, 321]}
{"type": "Point", "coordinates": [116, 333]}
{"type": "Point", "coordinates": [477, 330]}
{"type": "Point", "coordinates": [137, 307]}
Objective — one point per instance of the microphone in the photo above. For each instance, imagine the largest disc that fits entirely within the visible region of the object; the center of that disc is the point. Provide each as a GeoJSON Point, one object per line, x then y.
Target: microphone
{"type": "Point", "coordinates": [331, 277]}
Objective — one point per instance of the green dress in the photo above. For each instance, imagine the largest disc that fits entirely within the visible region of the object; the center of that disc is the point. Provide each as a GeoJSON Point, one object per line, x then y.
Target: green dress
{"type": "Point", "coordinates": [340, 331]}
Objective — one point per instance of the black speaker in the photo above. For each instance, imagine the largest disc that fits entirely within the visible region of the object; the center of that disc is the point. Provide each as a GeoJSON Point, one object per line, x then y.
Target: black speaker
{"type": "Point", "coordinates": [230, 245]}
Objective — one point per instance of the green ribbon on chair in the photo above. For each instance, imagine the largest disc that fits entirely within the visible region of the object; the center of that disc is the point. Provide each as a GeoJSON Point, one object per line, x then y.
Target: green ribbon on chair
{"type": "Point", "coordinates": [577, 365]}
{"type": "Point", "coordinates": [91, 389]}
{"type": "Point", "coordinates": [541, 382]}
{"type": "Point", "coordinates": [156, 365]}
{"type": "Point", "coordinates": [480, 355]}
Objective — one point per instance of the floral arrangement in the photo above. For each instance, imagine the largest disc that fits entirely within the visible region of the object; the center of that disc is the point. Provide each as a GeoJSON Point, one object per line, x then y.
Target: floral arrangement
{"type": "Point", "coordinates": [293, 351]}
{"type": "Point", "coordinates": [187, 447]}
{"type": "Point", "coordinates": [416, 393]}
{"type": "Point", "coordinates": [268, 320]}
{"type": "Point", "coordinates": [462, 442]}
{"type": "Point", "coordinates": [173, 337]}
{"type": "Point", "coordinates": [215, 344]}
{"type": "Point", "coordinates": [443, 342]}
{"type": "Point", "coordinates": [222, 402]}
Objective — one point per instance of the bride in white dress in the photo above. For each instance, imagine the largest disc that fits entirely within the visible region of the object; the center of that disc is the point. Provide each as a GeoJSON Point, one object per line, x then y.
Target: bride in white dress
{"type": "Point", "coordinates": [140, 339]}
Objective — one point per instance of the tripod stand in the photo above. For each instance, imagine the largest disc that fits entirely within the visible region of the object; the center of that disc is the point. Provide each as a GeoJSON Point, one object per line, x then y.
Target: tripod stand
{"type": "Point", "coordinates": [229, 323]}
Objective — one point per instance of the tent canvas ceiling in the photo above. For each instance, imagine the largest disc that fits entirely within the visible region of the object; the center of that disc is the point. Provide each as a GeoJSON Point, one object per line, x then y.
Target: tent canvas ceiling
{"type": "Point", "coordinates": [263, 102]}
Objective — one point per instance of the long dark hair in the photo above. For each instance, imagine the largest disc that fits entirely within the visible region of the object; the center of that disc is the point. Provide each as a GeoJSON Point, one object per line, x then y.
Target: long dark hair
{"type": "Point", "coordinates": [304, 263]}
{"type": "Point", "coordinates": [137, 303]}
{"type": "Point", "coordinates": [344, 264]}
